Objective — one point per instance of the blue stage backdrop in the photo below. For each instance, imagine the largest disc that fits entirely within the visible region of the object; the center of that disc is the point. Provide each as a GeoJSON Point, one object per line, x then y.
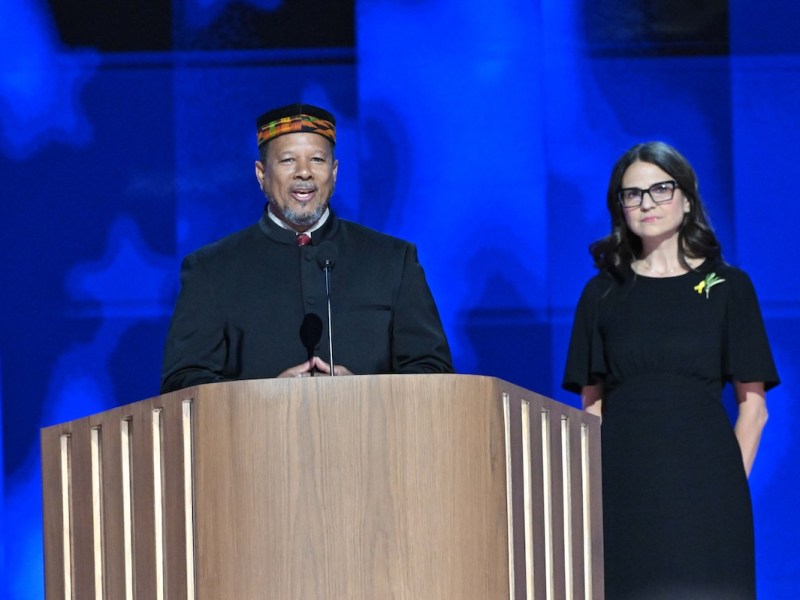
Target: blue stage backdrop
{"type": "Point", "coordinates": [484, 132]}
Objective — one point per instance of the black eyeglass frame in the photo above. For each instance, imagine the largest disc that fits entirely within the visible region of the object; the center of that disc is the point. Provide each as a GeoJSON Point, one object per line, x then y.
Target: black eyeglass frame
{"type": "Point", "coordinates": [649, 191]}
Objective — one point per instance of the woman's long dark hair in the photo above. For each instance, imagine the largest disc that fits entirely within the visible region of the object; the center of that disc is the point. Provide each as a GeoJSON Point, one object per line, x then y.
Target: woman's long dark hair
{"type": "Point", "coordinates": [696, 239]}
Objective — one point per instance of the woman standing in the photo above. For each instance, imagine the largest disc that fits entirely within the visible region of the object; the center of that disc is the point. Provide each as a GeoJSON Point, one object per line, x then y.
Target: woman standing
{"type": "Point", "coordinates": [657, 334]}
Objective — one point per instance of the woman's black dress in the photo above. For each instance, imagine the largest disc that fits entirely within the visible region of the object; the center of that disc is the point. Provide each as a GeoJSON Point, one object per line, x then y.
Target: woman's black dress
{"type": "Point", "coordinates": [676, 504]}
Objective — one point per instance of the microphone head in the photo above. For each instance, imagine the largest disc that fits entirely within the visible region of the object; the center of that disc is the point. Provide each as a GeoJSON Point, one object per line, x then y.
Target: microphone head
{"type": "Point", "coordinates": [327, 252]}
{"type": "Point", "coordinates": [311, 332]}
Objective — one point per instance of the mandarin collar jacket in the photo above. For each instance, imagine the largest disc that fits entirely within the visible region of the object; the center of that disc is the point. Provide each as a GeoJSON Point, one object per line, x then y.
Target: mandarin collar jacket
{"type": "Point", "coordinates": [244, 301]}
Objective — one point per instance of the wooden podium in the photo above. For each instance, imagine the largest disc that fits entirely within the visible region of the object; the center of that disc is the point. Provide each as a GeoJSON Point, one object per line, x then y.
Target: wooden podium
{"type": "Point", "coordinates": [417, 487]}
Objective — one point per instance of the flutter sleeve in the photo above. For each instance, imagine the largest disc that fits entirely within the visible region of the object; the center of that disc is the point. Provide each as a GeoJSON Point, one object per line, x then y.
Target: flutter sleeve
{"type": "Point", "coordinates": [586, 363]}
{"type": "Point", "coordinates": [747, 355]}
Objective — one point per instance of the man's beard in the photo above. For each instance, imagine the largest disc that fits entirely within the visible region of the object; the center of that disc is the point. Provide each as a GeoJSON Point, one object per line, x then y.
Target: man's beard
{"type": "Point", "coordinates": [305, 219]}
{"type": "Point", "coordinates": [301, 219]}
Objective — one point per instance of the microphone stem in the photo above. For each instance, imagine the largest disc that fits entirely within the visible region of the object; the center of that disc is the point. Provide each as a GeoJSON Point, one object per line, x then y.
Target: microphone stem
{"type": "Point", "coordinates": [330, 328]}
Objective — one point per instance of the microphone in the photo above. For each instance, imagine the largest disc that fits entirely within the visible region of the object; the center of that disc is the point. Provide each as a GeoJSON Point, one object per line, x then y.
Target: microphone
{"type": "Point", "coordinates": [326, 258]}
{"type": "Point", "coordinates": [311, 332]}
{"type": "Point", "coordinates": [327, 252]}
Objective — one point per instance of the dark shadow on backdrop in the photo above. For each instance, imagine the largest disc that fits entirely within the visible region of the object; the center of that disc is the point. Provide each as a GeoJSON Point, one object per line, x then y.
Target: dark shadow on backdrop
{"type": "Point", "coordinates": [656, 27]}
{"type": "Point", "coordinates": [294, 24]}
{"type": "Point", "coordinates": [162, 25]}
{"type": "Point", "coordinates": [507, 338]}
{"type": "Point", "coordinates": [385, 145]}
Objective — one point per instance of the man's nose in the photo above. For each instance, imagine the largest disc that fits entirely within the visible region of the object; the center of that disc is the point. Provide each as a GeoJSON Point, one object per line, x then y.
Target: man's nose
{"type": "Point", "coordinates": [302, 171]}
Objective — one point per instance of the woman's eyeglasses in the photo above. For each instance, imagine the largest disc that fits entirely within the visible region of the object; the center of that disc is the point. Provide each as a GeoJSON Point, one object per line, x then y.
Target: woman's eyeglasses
{"type": "Point", "coordinates": [660, 193]}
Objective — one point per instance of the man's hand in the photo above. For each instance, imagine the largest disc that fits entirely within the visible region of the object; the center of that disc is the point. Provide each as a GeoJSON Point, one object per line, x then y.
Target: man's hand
{"type": "Point", "coordinates": [305, 369]}
{"type": "Point", "coordinates": [314, 366]}
{"type": "Point", "coordinates": [323, 368]}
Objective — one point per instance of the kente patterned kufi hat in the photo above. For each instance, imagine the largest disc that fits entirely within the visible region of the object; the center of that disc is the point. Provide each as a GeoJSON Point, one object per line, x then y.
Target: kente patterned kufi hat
{"type": "Point", "coordinates": [295, 118]}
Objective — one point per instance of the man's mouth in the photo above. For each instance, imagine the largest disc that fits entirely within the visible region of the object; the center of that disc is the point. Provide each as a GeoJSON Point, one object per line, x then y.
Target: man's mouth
{"type": "Point", "coordinates": [303, 194]}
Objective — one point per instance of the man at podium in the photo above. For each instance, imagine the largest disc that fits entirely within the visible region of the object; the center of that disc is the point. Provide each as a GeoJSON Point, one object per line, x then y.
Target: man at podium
{"type": "Point", "coordinates": [282, 296]}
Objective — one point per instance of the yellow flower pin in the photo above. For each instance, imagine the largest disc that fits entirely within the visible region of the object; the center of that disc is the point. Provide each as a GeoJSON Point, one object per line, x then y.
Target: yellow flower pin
{"type": "Point", "coordinates": [710, 281]}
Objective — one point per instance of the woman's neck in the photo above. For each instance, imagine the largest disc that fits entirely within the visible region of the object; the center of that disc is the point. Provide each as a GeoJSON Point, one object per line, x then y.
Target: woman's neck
{"type": "Point", "coordinates": [664, 264]}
